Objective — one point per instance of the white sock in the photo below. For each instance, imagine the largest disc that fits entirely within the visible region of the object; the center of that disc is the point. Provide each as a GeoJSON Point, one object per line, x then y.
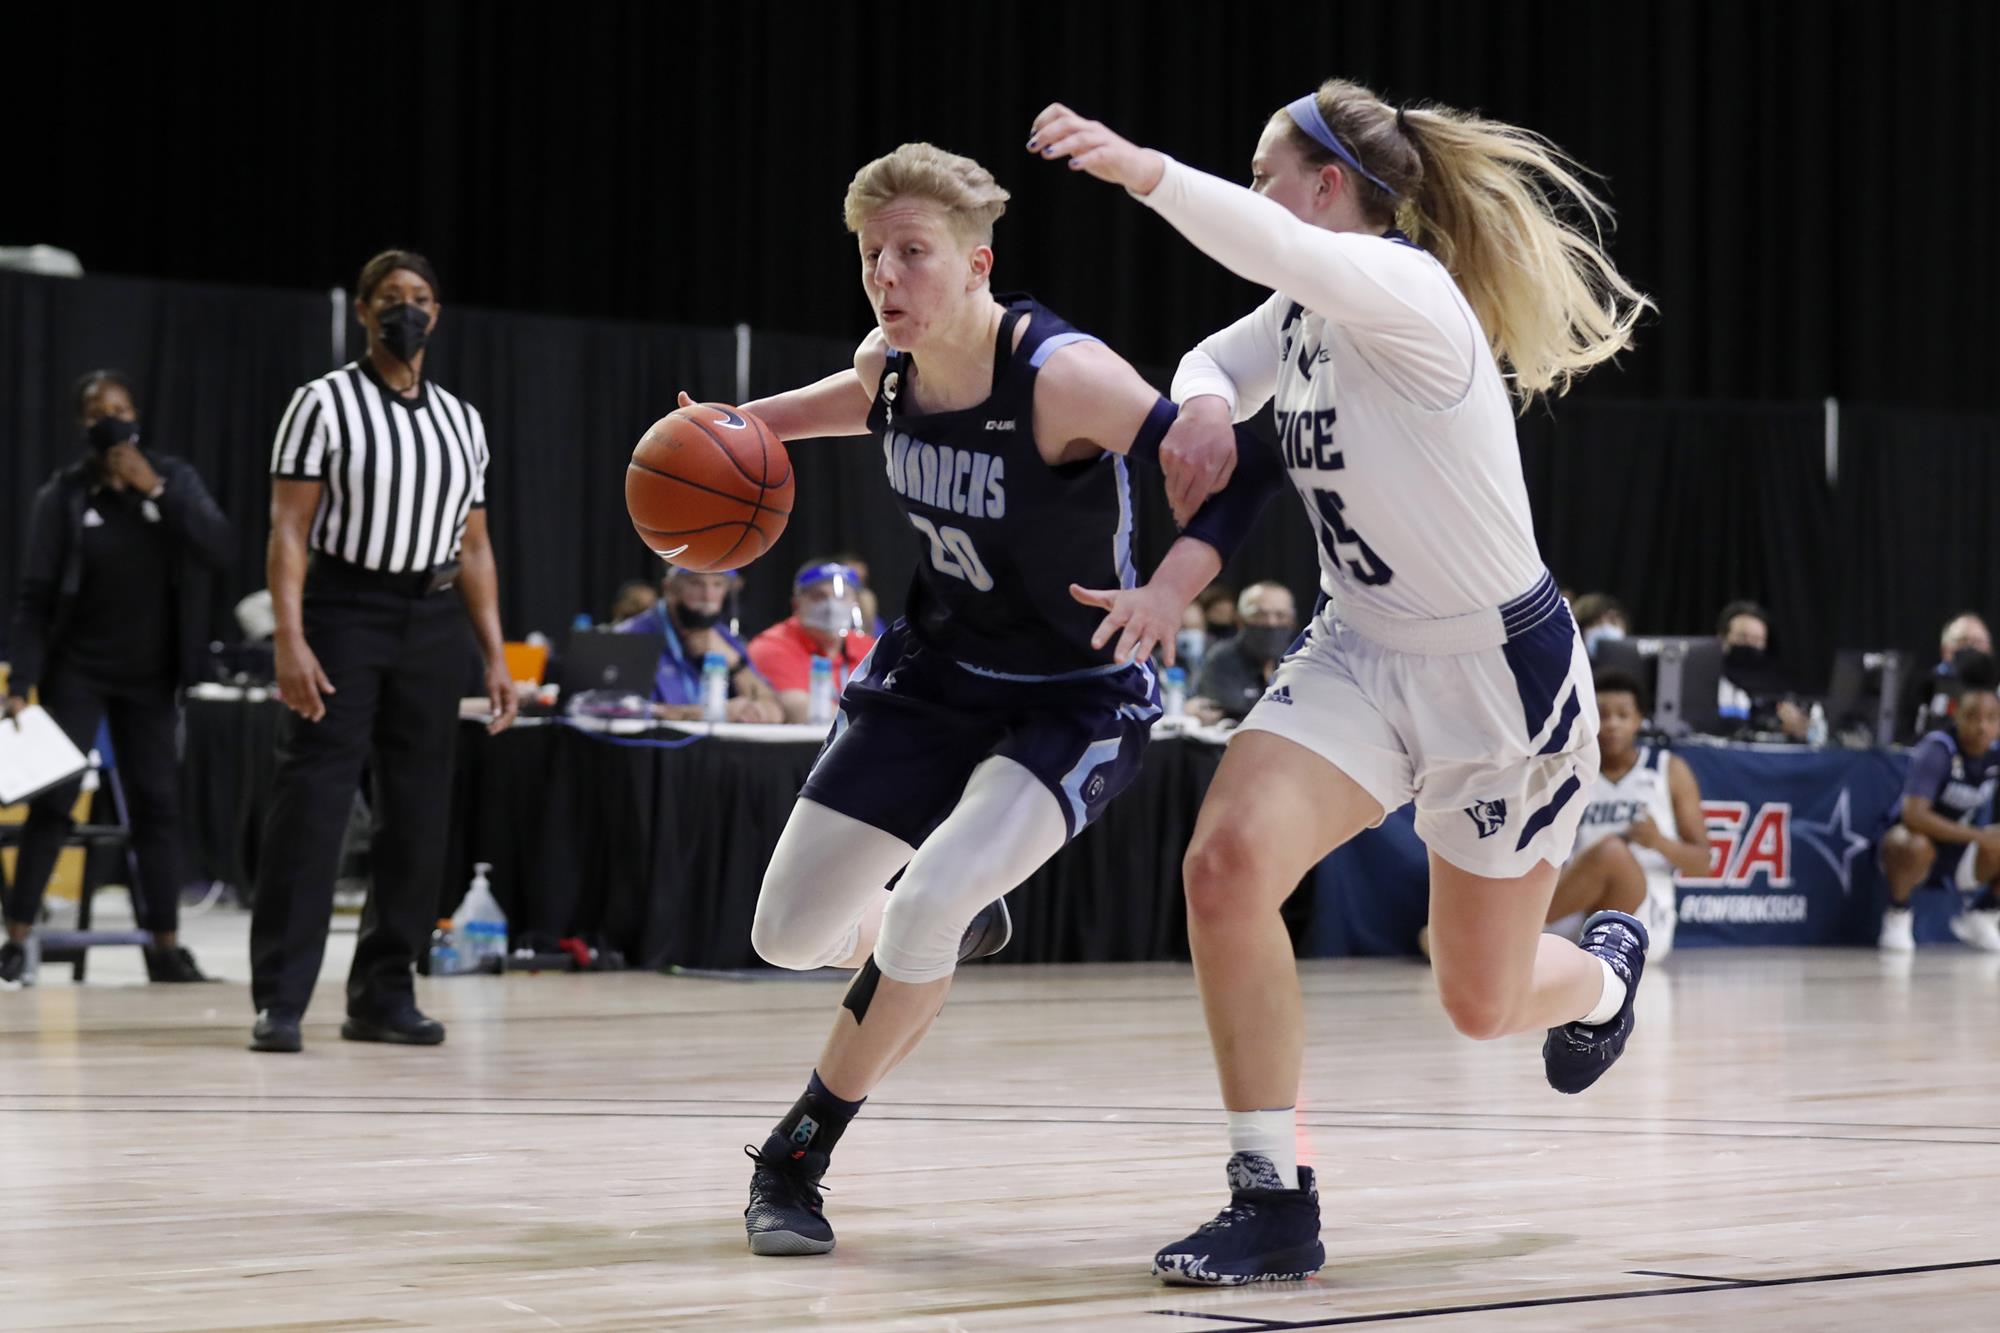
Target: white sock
{"type": "Point", "coordinates": [1272, 1135]}
{"type": "Point", "coordinates": [1610, 1002]}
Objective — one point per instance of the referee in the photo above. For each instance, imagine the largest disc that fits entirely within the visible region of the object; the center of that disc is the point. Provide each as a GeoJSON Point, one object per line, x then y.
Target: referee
{"type": "Point", "coordinates": [377, 513]}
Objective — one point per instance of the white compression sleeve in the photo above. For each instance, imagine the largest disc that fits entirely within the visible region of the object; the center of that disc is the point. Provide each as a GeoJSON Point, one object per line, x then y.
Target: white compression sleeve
{"type": "Point", "coordinates": [825, 875]}
{"type": "Point", "coordinates": [1394, 296]}
{"type": "Point", "coordinates": [1238, 364]}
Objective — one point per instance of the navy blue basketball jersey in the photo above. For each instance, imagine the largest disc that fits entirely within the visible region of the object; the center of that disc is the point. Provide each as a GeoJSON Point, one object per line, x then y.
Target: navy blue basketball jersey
{"type": "Point", "coordinates": [1003, 534]}
{"type": "Point", "coordinates": [1957, 785]}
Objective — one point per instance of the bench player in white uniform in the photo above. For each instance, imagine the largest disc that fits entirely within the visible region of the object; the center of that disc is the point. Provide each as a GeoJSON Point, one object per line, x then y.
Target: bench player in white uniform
{"type": "Point", "coordinates": [1642, 822]}
{"type": "Point", "coordinates": [1445, 667]}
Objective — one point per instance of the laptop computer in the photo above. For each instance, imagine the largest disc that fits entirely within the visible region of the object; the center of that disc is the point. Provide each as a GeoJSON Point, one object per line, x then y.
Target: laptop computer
{"type": "Point", "coordinates": [608, 660]}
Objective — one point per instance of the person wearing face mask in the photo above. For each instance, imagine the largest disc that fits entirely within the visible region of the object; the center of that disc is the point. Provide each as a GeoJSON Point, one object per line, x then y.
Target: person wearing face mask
{"type": "Point", "coordinates": [379, 554]}
{"type": "Point", "coordinates": [694, 618]}
{"type": "Point", "coordinates": [1218, 610]}
{"type": "Point", "coordinates": [1236, 673]}
{"type": "Point", "coordinates": [1930, 698]}
{"type": "Point", "coordinates": [826, 621]}
{"type": "Point", "coordinates": [1599, 616]}
{"type": "Point", "coordinates": [110, 623]}
{"type": "Point", "coordinates": [1753, 695]}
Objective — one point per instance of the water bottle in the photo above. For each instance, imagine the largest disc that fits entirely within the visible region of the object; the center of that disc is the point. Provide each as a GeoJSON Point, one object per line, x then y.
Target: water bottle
{"type": "Point", "coordinates": [581, 621]}
{"type": "Point", "coordinates": [481, 926]}
{"type": "Point", "coordinates": [1173, 692]}
{"type": "Point", "coordinates": [1816, 726]}
{"type": "Point", "coordinates": [819, 695]}
{"type": "Point", "coordinates": [444, 950]}
{"type": "Point", "coordinates": [714, 688]}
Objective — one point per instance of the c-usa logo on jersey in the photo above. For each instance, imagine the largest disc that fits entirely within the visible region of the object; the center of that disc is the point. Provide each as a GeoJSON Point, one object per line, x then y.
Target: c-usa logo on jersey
{"type": "Point", "coordinates": [1489, 817]}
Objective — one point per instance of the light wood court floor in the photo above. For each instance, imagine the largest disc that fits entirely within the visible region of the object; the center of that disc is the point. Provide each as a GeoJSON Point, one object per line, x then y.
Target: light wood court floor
{"type": "Point", "coordinates": [1797, 1139]}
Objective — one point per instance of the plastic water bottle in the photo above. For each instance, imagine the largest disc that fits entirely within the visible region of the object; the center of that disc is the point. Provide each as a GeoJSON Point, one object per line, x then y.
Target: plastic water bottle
{"type": "Point", "coordinates": [1173, 692]}
{"type": "Point", "coordinates": [819, 695]}
{"type": "Point", "coordinates": [580, 621]}
{"type": "Point", "coordinates": [715, 688]}
{"type": "Point", "coordinates": [1816, 726]}
{"type": "Point", "coordinates": [481, 926]}
{"type": "Point", "coordinates": [444, 950]}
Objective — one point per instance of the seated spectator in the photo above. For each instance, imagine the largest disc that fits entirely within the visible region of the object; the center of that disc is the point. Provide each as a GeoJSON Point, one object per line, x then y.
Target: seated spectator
{"type": "Point", "coordinates": [1753, 695]}
{"type": "Point", "coordinates": [1928, 697]}
{"type": "Point", "coordinates": [1235, 674]}
{"type": "Point", "coordinates": [825, 622]}
{"type": "Point", "coordinates": [692, 621]}
{"type": "Point", "coordinates": [1933, 839]}
{"type": "Point", "coordinates": [1599, 616]}
{"type": "Point", "coordinates": [635, 597]}
{"type": "Point", "coordinates": [1642, 823]}
{"type": "Point", "coordinates": [871, 610]}
{"type": "Point", "coordinates": [1218, 609]}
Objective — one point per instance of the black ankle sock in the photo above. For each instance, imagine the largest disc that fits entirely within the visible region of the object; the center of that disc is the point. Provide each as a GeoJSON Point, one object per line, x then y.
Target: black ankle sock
{"type": "Point", "coordinates": [1987, 901]}
{"type": "Point", "coordinates": [814, 1124]}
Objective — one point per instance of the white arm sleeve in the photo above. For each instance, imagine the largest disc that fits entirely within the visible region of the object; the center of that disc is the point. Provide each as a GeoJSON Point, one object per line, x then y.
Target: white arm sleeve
{"type": "Point", "coordinates": [1238, 364]}
{"type": "Point", "coordinates": [1391, 297]}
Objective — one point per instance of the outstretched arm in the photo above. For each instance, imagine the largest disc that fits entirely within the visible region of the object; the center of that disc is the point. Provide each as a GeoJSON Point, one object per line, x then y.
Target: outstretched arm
{"type": "Point", "coordinates": [836, 405]}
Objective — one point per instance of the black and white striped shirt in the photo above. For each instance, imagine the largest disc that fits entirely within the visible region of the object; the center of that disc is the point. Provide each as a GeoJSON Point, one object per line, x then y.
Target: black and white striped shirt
{"type": "Point", "coordinates": [400, 474]}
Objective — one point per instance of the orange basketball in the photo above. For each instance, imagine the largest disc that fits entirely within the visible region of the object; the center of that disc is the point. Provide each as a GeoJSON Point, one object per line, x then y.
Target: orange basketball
{"type": "Point", "coordinates": [709, 487]}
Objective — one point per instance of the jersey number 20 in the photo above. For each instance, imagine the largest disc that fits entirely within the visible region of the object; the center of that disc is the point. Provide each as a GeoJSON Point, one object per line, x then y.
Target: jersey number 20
{"type": "Point", "coordinates": [952, 553]}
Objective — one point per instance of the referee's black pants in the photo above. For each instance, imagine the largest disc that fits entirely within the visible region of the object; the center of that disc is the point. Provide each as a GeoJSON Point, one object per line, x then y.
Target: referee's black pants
{"type": "Point", "coordinates": [397, 660]}
{"type": "Point", "coordinates": [144, 721]}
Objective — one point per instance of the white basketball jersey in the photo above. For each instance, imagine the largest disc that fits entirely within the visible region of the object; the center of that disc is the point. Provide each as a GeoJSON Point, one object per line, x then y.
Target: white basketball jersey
{"type": "Point", "coordinates": [1610, 807]}
{"type": "Point", "coordinates": [1393, 421]}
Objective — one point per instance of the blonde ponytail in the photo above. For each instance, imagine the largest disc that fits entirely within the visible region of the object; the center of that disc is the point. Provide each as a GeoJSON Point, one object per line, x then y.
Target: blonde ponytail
{"type": "Point", "coordinates": [1508, 214]}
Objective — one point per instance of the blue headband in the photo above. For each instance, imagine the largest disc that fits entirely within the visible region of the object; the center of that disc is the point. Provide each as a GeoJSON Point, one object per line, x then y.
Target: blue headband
{"type": "Point", "coordinates": [821, 573]}
{"type": "Point", "coordinates": [1305, 114]}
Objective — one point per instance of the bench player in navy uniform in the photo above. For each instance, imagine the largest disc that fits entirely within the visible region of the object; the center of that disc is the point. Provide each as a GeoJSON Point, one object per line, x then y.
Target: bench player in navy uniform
{"type": "Point", "coordinates": [997, 719]}
{"type": "Point", "coordinates": [1935, 839]}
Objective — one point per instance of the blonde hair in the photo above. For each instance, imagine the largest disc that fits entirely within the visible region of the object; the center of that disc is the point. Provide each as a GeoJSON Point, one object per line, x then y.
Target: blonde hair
{"type": "Point", "coordinates": [1507, 213]}
{"type": "Point", "coordinates": [967, 192]}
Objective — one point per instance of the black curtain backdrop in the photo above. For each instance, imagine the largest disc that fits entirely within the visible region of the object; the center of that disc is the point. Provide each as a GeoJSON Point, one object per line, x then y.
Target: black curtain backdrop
{"type": "Point", "coordinates": [1676, 507]}
{"type": "Point", "coordinates": [1808, 188]}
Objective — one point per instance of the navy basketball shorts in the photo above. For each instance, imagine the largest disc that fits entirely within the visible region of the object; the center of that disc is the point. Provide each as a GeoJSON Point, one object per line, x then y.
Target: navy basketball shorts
{"type": "Point", "coordinates": [914, 723]}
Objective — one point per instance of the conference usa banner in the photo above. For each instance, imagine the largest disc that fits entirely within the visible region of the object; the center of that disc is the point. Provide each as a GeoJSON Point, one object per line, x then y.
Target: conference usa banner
{"type": "Point", "coordinates": [1792, 836]}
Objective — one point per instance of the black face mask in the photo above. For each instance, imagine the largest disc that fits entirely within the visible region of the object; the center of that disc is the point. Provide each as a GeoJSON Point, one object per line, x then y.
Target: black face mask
{"type": "Point", "coordinates": [690, 618]}
{"type": "Point", "coordinates": [1265, 643]}
{"type": "Point", "coordinates": [1741, 659]}
{"type": "Point", "coordinates": [1967, 657]}
{"type": "Point", "coordinates": [1218, 630]}
{"type": "Point", "coordinates": [107, 433]}
{"type": "Point", "coordinates": [405, 330]}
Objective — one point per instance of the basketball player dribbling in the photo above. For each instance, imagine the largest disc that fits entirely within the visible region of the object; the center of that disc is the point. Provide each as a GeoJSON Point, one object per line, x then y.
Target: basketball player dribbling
{"type": "Point", "coordinates": [997, 719]}
{"type": "Point", "coordinates": [1445, 667]}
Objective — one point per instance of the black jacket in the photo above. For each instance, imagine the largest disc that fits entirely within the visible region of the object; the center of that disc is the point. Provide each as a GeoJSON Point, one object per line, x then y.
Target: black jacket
{"type": "Point", "coordinates": [52, 567]}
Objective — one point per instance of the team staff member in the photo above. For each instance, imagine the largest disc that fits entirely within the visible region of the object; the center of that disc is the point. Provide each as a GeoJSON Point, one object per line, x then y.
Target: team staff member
{"type": "Point", "coordinates": [825, 622]}
{"type": "Point", "coordinates": [111, 622]}
{"type": "Point", "coordinates": [377, 514]}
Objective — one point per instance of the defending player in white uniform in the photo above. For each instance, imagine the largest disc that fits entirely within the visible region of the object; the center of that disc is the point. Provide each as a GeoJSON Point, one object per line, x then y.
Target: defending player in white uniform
{"type": "Point", "coordinates": [1418, 259]}
{"type": "Point", "coordinates": [1641, 823]}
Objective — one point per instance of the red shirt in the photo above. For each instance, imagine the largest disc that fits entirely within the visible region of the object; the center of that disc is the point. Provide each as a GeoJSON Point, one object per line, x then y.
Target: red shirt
{"type": "Point", "coordinates": [784, 653]}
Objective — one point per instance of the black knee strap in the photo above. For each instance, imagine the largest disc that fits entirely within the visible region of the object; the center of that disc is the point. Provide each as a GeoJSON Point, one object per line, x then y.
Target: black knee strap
{"type": "Point", "coordinates": [862, 993]}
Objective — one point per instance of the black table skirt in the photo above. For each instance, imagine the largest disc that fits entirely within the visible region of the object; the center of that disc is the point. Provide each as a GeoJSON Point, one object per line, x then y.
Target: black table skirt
{"type": "Point", "coordinates": [659, 852]}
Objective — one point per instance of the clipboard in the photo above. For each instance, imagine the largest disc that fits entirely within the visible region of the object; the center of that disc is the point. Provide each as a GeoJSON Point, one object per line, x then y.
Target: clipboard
{"type": "Point", "coordinates": [35, 756]}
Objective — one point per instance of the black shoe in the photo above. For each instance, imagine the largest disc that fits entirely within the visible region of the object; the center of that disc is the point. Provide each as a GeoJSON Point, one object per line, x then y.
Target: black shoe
{"type": "Point", "coordinates": [18, 964]}
{"type": "Point", "coordinates": [1266, 1234]}
{"type": "Point", "coordinates": [988, 934]}
{"type": "Point", "coordinates": [276, 1031]}
{"type": "Point", "coordinates": [1575, 1055]}
{"type": "Point", "coordinates": [175, 965]}
{"type": "Point", "coordinates": [786, 1213]}
{"type": "Point", "coordinates": [404, 1027]}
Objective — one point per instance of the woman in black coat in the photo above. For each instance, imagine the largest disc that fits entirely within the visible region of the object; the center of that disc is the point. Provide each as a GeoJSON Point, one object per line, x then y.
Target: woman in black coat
{"type": "Point", "coordinates": [111, 623]}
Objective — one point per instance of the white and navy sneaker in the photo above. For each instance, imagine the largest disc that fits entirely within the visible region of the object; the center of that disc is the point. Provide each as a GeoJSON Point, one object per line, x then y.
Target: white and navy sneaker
{"type": "Point", "coordinates": [1266, 1234]}
{"type": "Point", "coordinates": [1576, 1055]}
{"type": "Point", "coordinates": [1981, 930]}
{"type": "Point", "coordinates": [988, 934]}
{"type": "Point", "coordinates": [787, 1213]}
{"type": "Point", "coordinates": [1898, 935]}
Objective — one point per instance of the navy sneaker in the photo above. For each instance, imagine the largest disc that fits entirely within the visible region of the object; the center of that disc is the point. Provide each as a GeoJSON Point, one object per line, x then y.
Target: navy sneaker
{"type": "Point", "coordinates": [988, 934]}
{"type": "Point", "coordinates": [1266, 1234]}
{"type": "Point", "coordinates": [1577, 1054]}
{"type": "Point", "coordinates": [786, 1213]}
